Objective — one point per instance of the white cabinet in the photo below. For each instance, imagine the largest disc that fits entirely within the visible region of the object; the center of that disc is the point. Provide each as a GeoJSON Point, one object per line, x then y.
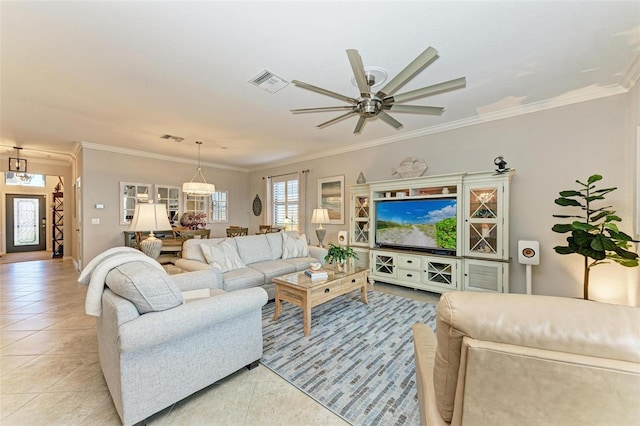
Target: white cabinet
{"type": "Point", "coordinates": [359, 223]}
{"type": "Point", "coordinates": [359, 217]}
{"type": "Point", "coordinates": [420, 271]}
{"type": "Point", "coordinates": [485, 275]}
{"type": "Point", "coordinates": [485, 220]}
{"type": "Point", "coordinates": [476, 253]}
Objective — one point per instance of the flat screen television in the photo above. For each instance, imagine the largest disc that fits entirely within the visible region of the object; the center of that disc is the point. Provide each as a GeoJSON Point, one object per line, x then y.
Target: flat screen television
{"type": "Point", "coordinates": [427, 224]}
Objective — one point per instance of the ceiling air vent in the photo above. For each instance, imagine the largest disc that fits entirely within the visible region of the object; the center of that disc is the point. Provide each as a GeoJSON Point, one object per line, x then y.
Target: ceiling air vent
{"type": "Point", "coordinates": [173, 138]}
{"type": "Point", "coordinates": [269, 81]}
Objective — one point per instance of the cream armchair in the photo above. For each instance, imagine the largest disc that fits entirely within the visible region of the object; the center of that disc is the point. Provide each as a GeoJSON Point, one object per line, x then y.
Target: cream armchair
{"type": "Point", "coordinates": [510, 359]}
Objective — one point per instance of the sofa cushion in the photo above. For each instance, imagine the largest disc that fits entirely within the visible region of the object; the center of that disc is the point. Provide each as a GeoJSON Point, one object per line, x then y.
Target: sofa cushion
{"type": "Point", "coordinates": [275, 243]}
{"type": "Point", "coordinates": [242, 278]}
{"type": "Point", "coordinates": [301, 263]}
{"type": "Point", "coordinates": [293, 246]}
{"type": "Point", "coordinates": [223, 255]}
{"type": "Point", "coordinates": [273, 268]}
{"type": "Point", "coordinates": [148, 288]}
{"type": "Point", "coordinates": [253, 248]}
{"type": "Point", "coordinates": [191, 248]}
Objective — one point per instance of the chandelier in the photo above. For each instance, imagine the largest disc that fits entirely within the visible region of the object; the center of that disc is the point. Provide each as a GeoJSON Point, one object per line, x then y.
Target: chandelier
{"type": "Point", "coordinates": [195, 187]}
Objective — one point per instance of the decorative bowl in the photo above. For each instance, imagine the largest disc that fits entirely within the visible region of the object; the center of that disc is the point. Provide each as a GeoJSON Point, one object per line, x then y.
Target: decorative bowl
{"type": "Point", "coordinates": [315, 266]}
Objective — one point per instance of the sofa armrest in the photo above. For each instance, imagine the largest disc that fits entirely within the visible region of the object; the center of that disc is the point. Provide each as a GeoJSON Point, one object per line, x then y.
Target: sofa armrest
{"type": "Point", "coordinates": [210, 278]}
{"type": "Point", "coordinates": [157, 327]}
{"type": "Point", "coordinates": [424, 342]}
{"type": "Point", "coordinates": [192, 265]}
{"type": "Point", "coordinates": [560, 324]}
{"type": "Point", "coordinates": [319, 253]}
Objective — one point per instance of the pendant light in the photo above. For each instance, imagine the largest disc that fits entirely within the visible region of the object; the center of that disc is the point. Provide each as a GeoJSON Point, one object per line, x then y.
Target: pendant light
{"type": "Point", "coordinates": [196, 188]}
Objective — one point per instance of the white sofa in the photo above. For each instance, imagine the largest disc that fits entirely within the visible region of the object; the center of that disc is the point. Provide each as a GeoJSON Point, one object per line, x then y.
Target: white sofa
{"type": "Point", "coordinates": [162, 338]}
{"type": "Point", "coordinates": [261, 258]}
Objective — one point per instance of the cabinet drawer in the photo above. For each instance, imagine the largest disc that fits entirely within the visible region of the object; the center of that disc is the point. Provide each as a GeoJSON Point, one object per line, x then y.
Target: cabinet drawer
{"type": "Point", "coordinates": [409, 262]}
{"type": "Point", "coordinates": [410, 276]}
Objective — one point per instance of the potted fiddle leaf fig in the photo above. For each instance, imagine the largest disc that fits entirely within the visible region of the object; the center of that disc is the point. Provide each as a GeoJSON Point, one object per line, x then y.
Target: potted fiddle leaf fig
{"type": "Point", "coordinates": [594, 232]}
{"type": "Point", "coordinates": [338, 255]}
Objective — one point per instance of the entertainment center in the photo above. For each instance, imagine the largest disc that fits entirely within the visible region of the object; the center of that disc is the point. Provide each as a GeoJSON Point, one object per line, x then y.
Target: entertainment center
{"type": "Point", "coordinates": [435, 233]}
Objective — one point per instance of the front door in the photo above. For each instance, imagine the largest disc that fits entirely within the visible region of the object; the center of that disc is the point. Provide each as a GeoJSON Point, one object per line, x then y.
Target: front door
{"type": "Point", "coordinates": [26, 223]}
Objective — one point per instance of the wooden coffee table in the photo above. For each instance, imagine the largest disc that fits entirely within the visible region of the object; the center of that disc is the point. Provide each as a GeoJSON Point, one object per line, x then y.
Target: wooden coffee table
{"type": "Point", "coordinates": [299, 289]}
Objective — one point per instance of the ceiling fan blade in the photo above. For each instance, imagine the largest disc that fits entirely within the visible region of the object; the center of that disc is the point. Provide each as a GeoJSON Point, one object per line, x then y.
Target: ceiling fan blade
{"type": "Point", "coordinates": [428, 91]}
{"type": "Point", "coordinates": [415, 109]}
{"type": "Point", "coordinates": [389, 120]}
{"type": "Point", "coordinates": [323, 91]}
{"type": "Point", "coordinates": [359, 125]}
{"type": "Point", "coordinates": [417, 65]}
{"type": "Point", "coordinates": [335, 120]}
{"type": "Point", "coordinates": [335, 108]}
{"type": "Point", "coordinates": [358, 71]}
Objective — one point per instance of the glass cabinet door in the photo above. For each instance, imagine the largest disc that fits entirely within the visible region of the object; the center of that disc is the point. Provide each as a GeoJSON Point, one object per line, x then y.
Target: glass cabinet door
{"type": "Point", "coordinates": [484, 222]}
{"type": "Point", "coordinates": [360, 219]}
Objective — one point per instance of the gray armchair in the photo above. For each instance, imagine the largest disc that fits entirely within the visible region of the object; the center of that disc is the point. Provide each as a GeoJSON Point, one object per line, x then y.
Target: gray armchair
{"type": "Point", "coordinates": [153, 359]}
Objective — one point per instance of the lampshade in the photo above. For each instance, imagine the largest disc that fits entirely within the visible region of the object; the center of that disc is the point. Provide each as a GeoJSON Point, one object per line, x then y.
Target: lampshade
{"type": "Point", "coordinates": [196, 188]}
{"type": "Point", "coordinates": [149, 217]}
{"type": "Point", "coordinates": [320, 216]}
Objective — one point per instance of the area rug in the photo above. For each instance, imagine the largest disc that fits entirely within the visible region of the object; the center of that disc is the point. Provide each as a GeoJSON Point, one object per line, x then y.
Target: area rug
{"type": "Point", "coordinates": [359, 359]}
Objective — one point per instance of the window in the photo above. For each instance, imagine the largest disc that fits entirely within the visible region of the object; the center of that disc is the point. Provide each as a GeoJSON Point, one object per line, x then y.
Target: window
{"type": "Point", "coordinates": [170, 197]}
{"type": "Point", "coordinates": [130, 195]}
{"type": "Point", "coordinates": [219, 207]}
{"type": "Point", "coordinates": [24, 179]}
{"type": "Point", "coordinates": [196, 204]}
{"type": "Point", "coordinates": [285, 201]}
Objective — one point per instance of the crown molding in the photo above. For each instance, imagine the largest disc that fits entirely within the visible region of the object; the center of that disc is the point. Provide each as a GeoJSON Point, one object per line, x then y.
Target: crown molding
{"type": "Point", "coordinates": [560, 101]}
{"type": "Point", "coordinates": [632, 75]}
{"type": "Point", "coordinates": [146, 154]}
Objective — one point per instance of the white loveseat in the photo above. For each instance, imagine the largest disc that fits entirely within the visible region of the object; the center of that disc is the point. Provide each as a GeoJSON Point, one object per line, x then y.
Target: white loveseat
{"type": "Point", "coordinates": [249, 261]}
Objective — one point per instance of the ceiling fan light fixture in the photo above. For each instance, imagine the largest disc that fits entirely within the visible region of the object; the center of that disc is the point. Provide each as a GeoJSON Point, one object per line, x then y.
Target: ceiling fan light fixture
{"type": "Point", "coordinates": [196, 188]}
{"type": "Point", "coordinates": [375, 76]}
{"type": "Point", "coordinates": [372, 105]}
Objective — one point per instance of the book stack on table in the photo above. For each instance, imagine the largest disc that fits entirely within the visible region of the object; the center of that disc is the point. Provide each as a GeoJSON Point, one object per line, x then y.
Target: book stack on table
{"type": "Point", "coordinates": [319, 274]}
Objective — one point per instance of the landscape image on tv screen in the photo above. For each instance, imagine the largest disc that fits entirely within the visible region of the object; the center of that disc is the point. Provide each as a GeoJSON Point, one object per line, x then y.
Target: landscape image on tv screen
{"type": "Point", "coordinates": [422, 224]}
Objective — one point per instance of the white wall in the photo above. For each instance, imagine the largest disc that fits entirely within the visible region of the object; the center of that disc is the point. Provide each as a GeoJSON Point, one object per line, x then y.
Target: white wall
{"type": "Point", "coordinates": [102, 173]}
{"type": "Point", "coordinates": [549, 149]}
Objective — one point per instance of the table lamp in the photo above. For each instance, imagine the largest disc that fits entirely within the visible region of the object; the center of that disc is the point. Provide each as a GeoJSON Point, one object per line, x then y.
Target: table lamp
{"type": "Point", "coordinates": [149, 217]}
{"type": "Point", "coordinates": [320, 216]}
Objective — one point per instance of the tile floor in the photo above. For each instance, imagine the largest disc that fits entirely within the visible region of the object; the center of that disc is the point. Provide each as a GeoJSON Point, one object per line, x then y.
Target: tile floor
{"type": "Point", "coordinates": [50, 373]}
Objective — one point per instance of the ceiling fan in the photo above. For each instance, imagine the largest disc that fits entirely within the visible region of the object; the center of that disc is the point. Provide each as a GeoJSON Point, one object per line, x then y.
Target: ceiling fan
{"type": "Point", "coordinates": [370, 105]}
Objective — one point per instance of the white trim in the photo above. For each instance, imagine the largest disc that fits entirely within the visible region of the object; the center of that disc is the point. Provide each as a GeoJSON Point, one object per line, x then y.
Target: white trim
{"type": "Point", "coordinates": [147, 154]}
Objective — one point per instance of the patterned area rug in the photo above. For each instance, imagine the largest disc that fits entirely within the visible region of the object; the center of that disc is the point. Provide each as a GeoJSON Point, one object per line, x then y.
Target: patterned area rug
{"type": "Point", "coordinates": [358, 361]}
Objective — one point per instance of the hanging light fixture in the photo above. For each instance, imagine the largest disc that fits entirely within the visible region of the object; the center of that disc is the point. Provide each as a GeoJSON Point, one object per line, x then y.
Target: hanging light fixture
{"type": "Point", "coordinates": [196, 188]}
{"type": "Point", "coordinates": [19, 165]}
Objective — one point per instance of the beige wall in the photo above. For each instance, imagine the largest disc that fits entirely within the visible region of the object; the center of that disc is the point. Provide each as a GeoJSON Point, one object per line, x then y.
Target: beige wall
{"type": "Point", "coordinates": [549, 149]}
{"type": "Point", "coordinates": [102, 173]}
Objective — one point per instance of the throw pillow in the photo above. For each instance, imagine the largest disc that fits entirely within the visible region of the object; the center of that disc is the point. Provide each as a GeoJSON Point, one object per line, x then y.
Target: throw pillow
{"type": "Point", "coordinates": [222, 255]}
{"type": "Point", "coordinates": [148, 288]}
{"type": "Point", "coordinates": [293, 246]}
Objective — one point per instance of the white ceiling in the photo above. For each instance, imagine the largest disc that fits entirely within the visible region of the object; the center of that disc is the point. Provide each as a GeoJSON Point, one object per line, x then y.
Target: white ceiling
{"type": "Point", "coordinates": [123, 74]}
